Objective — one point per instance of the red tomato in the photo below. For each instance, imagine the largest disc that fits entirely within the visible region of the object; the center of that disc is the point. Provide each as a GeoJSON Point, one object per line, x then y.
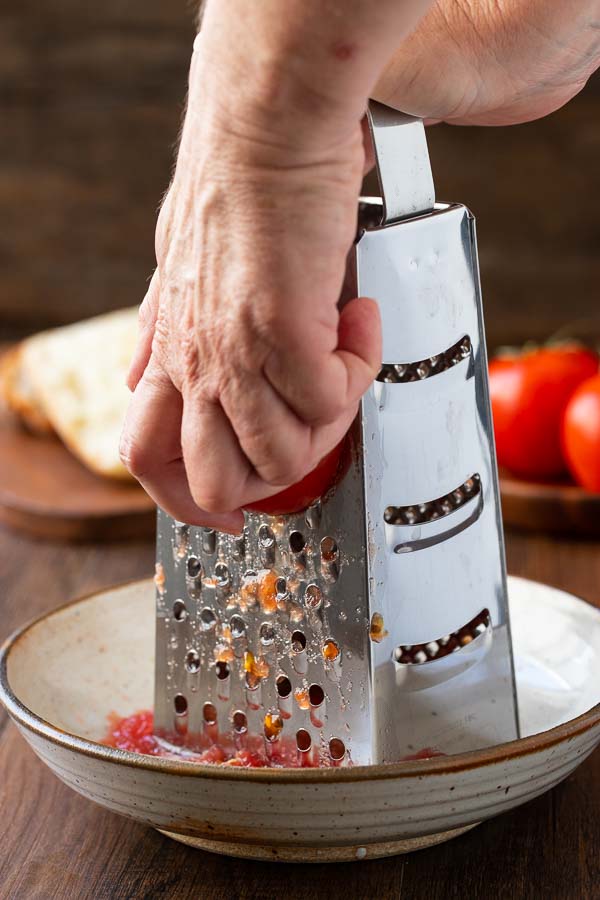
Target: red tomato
{"type": "Point", "coordinates": [134, 733]}
{"type": "Point", "coordinates": [300, 495]}
{"type": "Point", "coordinates": [529, 394]}
{"type": "Point", "coordinates": [581, 434]}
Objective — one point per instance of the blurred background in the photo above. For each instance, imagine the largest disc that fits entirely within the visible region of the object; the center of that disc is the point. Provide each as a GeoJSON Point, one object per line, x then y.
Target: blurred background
{"type": "Point", "coordinates": [92, 96]}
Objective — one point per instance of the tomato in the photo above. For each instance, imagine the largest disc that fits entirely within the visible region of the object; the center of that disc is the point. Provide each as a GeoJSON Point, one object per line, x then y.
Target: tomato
{"type": "Point", "coordinates": [529, 394]}
{"type": "Point", "coordinates": [300, 495]}
{"type": "Point", "coordinates": [135, 733]}
{"type": "Point", "coordinates": [247, 760]}
{"type": "Point", "coordinates": [581, 434]}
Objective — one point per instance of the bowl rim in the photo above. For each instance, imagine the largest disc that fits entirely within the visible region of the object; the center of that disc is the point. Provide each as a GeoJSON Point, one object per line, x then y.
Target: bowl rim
{"type": "Point", "coordinates": [441, 765]}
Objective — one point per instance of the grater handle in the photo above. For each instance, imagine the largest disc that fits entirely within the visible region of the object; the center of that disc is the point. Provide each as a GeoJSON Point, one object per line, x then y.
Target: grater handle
{"type": "Point", "coordinates": [403, 166]}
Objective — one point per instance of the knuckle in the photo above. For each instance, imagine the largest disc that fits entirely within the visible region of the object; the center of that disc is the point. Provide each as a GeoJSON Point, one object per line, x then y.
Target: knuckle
{"type": "Point", "coordinates": [278, 469]}
{"type": "Point", "coordinates": [275, 454]}
{"type": "Point", "coordinates": [156, 378]}
{"type": "Point", "coordinates": [214, 499]}
{"type": "Point", "coordinates": [325, 409]}
{"type": "Point", "coordinates": [282, 473]}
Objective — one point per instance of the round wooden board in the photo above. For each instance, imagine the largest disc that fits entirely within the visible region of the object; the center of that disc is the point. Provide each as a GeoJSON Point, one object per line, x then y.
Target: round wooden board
{"type": "Point", "coordinates": [559, 508]}
{"type": "Point", "coordinates": [46, 492]}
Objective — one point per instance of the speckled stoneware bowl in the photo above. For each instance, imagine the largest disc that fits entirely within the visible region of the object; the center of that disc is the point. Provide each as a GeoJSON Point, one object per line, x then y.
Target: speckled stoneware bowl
{"type": "Point", "coordinates": [61, 676]}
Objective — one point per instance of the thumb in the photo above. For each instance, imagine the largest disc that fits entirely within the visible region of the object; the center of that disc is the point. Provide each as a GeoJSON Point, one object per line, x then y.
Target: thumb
{"type": "Point", "coordinates": [359, 345]}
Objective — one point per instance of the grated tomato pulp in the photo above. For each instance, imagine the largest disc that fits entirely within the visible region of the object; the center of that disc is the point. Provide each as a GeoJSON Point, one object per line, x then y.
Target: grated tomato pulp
{"type": "Point", "coordinates": [135, 733]}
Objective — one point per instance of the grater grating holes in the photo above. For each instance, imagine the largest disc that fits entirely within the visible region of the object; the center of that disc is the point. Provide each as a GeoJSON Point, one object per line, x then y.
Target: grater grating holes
{"type": "Point", "coordinates": [266, 634]}
{"type": "Point", "coordinates": [272, 726]}
{"type": "Point", "coordinates": [313, 597]}
{"type": "Point", "coordinates": [208, 619]}
{"type": "Point", "coordinates": [194, 567]}
{"type": "Point", "coordinates": [209, 541]}
{"type": "Point", "coordinates": [303, 740]}
{"type": "Point", "coordinates": [192, 661]}
{"type": "Point", "coordinates": [238, 627]}
{"type": "Point", "coordinates": [316, 698]}
{"type": "Point", "coordinates": [209, 713]}
{"type": "Point", "coordinates": [222, 670]}
{"type": "Point", "coordinates": [179, 611]}
{"type": "Point", "coordinates": [284, 686]}
{"type": "Point", "coordinates": [297, 542]}
{"type": "Point", "coordinates": [337, 751]}
{"type": "Point", "coordinates": [222, 575]}
{"type": "Point", "coordinates": [180, 704]}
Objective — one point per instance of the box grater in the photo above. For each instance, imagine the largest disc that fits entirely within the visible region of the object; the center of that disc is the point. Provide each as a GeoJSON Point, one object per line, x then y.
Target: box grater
{"type": "Point", "coordinates": [373, 626]}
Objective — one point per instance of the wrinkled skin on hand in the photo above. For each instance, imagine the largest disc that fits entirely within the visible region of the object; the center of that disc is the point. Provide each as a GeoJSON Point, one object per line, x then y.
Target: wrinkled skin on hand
{"type": "Point", "coordinates": [246, 374]}
{"type": "Point", "coordinates": [494, 62]}
{"type": "Point", "coordinates": [245, 369]}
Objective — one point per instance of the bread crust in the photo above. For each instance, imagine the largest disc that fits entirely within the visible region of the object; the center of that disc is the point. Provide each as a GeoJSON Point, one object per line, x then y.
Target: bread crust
{"type": "Point", "coordinates": [71, 380]}
{"type": "Point", "coordinates": [18, 395]}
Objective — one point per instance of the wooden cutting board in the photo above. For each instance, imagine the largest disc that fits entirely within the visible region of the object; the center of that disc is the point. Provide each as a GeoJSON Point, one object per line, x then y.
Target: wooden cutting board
{"type": "Point", "coordinates": [557, 508]}
{"type": "Point", "coordinates": [46, 492]}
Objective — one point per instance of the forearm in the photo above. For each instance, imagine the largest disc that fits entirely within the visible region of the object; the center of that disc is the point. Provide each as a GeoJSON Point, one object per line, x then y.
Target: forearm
{"type": "Point", "coordinates": [293, 68]}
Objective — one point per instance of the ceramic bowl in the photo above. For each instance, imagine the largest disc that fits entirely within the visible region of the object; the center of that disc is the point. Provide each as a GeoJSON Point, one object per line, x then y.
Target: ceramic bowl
{"type": "Point", "coordinates": [61, 676]}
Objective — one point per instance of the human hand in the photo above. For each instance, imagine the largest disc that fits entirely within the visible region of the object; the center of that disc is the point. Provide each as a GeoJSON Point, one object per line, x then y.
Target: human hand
{"type": "Point", "coordinates": [246, 374]}
{"type": "Point", "coordinates": [493, 62]}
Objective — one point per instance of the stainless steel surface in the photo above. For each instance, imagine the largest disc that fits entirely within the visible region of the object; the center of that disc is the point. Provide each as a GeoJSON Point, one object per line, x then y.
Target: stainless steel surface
{"type": "Point", "coordinates": [403, 165]}
{"type": "Point", "coordinates": [375, 624]}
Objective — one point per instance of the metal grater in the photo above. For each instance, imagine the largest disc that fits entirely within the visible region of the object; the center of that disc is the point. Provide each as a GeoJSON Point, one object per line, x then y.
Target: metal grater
{"type": "Point", "coordinates": [374, 625]}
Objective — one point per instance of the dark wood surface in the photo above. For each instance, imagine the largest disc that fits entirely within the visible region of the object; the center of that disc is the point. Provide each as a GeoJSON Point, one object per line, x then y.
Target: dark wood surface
{"type": "Point", "coordinates": [46, 492]}
{"type": "Point", "coordinates": [55, 844]}
{"type": "Point", "coordinates": [552, 507]}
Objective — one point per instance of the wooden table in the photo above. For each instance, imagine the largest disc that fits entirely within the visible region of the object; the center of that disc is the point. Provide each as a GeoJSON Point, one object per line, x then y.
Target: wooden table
{"type": "Point", "coordinates": [53, 843]}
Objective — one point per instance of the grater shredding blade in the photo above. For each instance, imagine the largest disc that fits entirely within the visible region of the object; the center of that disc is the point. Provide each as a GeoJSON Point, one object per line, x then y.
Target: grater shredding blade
{"type": "Point", "coordinates": [375, 623]}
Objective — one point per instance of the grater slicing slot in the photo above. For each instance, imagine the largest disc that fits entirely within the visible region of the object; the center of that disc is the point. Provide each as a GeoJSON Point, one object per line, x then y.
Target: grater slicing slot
{"type": "Point", "coordinates": [466, 515]}
{"type": "Point", "coordinates": [431, 651]}
{"type": "Point", "coordinates": [431, 510]}
{"type": "Point", "coordinates": [404, 373]}
{"type": "Point", "coordinates": [461, 662]}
